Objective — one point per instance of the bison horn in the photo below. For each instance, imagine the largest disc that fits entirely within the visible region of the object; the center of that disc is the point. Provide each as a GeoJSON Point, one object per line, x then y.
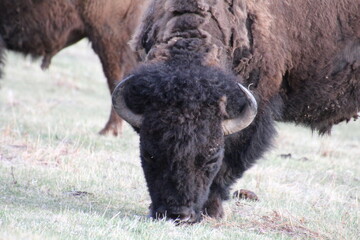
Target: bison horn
{"type": "Point", "coordinates": [231, 126]}
{"type": "Point", "coordinates": [120, 106]}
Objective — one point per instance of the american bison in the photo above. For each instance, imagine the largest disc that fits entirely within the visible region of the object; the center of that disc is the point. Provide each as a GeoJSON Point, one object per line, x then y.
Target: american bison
{"type": "Point", "coordinates": [42, 28]}
{"type": "Point", "coordinates": [299, 58]}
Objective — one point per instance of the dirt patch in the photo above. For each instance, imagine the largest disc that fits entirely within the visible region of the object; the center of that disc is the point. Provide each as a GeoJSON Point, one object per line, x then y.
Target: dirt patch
{"type": "Point", "coordinates": [274, 222]}
{"type": "Point", "coordinates": [244, 194]}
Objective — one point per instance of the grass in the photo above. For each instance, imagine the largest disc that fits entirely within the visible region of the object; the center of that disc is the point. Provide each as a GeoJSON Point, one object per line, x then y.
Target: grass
{"type": "Point", "coordinates": [60, 180]}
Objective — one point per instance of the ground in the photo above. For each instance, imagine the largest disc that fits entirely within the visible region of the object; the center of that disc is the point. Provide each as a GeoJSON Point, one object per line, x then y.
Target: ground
{"type": "Point", "coordinates": [60, 180]}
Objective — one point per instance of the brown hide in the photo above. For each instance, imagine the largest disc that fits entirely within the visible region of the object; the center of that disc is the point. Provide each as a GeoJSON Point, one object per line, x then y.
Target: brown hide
{"type": "Point", "coordinates": [303, 53]}
{"type": "Point", "coordinates": [42, 28]}
{"type": "Point", "coordinates": [321, 86]}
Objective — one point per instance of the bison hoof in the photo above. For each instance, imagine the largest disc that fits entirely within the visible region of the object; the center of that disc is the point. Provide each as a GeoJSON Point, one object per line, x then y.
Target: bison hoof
{"type": "Point", "coordinates": [111, 129]}
{"type": "Point", "coordinates": [245, 194]}
{"type": "Point", "coordinates": [107, 132]}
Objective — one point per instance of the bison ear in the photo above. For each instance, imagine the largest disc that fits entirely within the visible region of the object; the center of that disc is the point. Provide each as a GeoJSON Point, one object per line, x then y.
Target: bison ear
{"type": "Point", "coordinates": [222, 105]}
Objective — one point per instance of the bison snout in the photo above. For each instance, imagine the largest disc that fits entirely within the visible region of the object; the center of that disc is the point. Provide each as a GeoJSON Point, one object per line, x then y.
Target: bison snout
{"type": "Point", "coordinates": [179, 215]}
{"type": "Point", "coordinates": [185, 217]}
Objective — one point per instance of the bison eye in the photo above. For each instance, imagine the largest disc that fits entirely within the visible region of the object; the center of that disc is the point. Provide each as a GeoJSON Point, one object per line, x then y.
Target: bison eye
{"type": "Point", "coordinates": [210, 158]}
{"type": "Point", "coordinates": [148, 157]}
{"type": "Point", "coordinates": [212, 161]}
{"type": "Point", "coordinates": [213, 151]}
{"type": "Point", "coordinates": [211, 165]}
{"type": "Point", "coordinates": [214, 155]}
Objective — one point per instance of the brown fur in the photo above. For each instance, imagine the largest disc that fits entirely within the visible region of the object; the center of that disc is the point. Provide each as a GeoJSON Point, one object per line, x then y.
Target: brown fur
{"type": "Point", "coordinates": [44, 27]}
{"type": "Point", "coordinates": [305, 53]}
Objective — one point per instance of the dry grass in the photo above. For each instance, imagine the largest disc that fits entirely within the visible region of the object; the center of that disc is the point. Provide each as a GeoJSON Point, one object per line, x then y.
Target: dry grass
{"type": "Point", "coordinates": [60, 180]}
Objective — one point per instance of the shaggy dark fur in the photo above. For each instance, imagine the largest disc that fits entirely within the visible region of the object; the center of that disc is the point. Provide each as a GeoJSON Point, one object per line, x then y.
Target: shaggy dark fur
{"type": "Point", "coordinates": [42, 28]}
{"type": "Point", "coordinates": [299, 57]}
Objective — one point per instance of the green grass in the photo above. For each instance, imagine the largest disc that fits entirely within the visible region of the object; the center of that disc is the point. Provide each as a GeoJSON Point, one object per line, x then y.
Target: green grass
{"type": "Point", "coordinates": [60, 180]}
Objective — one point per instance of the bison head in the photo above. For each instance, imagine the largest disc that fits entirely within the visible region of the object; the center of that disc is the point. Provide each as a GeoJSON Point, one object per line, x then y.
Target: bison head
{"type": "Point", "coordinates": [182, 113]}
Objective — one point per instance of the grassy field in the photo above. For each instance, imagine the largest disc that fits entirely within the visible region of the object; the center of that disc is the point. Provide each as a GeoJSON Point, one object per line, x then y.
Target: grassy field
{"type": "Point", "coordinates": [60, 180]}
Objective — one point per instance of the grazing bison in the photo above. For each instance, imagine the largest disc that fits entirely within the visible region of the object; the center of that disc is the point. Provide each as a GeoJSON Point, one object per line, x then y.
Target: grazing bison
{"type": "Point", "coordinates": [299, 58]}
{"type": "Point", "coordinates": [44, 27]}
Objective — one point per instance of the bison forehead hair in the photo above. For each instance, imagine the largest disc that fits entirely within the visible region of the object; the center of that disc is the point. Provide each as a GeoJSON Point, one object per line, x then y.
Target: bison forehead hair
{"type": "Point", "coordinates": [181, 138]}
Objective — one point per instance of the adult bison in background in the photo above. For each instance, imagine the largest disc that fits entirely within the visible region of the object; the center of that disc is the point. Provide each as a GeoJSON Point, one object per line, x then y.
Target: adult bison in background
{"type": "Point", "coordinates": [300, 59]}
{"type": "Point", "coordinates": [42, 28]}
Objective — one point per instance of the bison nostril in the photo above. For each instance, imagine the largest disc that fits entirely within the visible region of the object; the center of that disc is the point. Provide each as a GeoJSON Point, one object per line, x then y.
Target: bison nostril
{"type": "Point", "coordinates": [159, 215]}
{"type": "Point", "coordinates": [186, 216]}
{"type": "Point", "coordinates": [179, 216]}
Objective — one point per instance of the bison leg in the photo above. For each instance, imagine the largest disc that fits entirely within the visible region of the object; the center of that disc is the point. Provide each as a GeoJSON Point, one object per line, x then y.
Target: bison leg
{"type": "Point", "coordinates": [46, 61]}
{"type": "Point", "coordinates": [2, 54]}
{"type": "Point", "coordinates": [110, 25]}
{"type": "Point", "coordinates": [117, 60]}
{"type": "Point", "coordinates": [111, 60]}
{"type": "Point", "coordinates": [213, 206]}
{"type": "Point", "coordinates": [126, 61]}
{"type": "Point", "coordinates": [239, 156]}
{"type": "Point", "coordinates": [113, 125]}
